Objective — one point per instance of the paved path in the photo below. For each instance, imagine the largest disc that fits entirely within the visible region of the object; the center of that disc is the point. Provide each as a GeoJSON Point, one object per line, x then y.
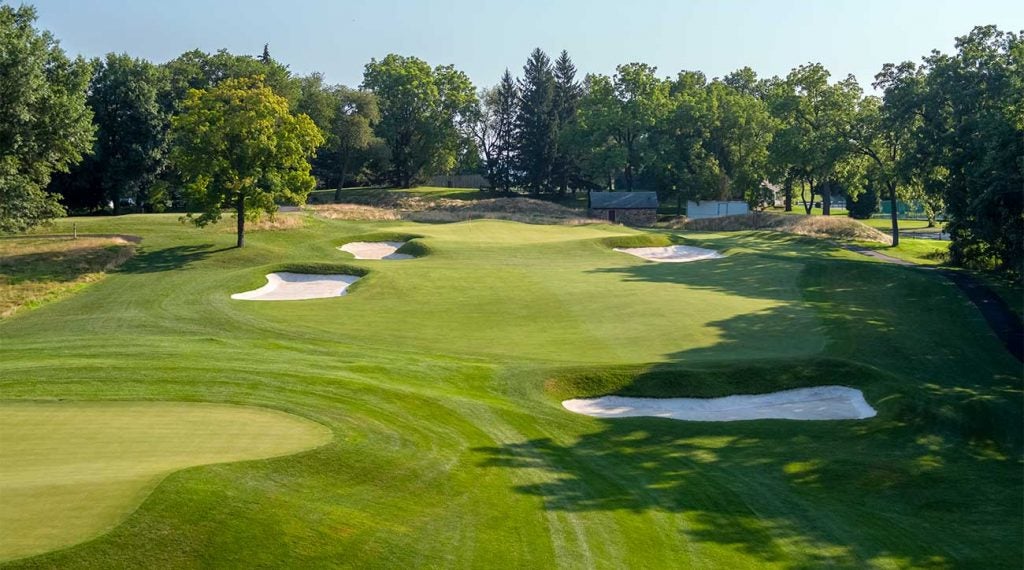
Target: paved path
{"type": "Point", "coordinates": [1000, 318]}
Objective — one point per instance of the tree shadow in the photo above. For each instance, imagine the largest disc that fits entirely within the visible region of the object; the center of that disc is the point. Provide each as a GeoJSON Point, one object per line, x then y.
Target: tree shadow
{"type": "Point", "coordinates": [946, 444]}
{"type": "Point", "coordinates": [170, 258]}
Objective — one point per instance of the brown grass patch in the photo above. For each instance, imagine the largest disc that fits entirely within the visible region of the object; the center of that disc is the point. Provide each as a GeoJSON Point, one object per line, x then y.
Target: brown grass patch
{"type": "Point", "coordinates": [277, 222]}
{"type": "Point", "coordinates": [444, 210]}
{"type": "Point", "coordinates": [36, 270]}
{"type": "Point", "coordinates": [826, 227]}
{"type": "Point", "coordinates": [355, 212]}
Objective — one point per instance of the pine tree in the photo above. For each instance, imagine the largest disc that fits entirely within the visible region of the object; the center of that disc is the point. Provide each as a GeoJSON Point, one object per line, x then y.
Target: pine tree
{"type": "Point", "coordinates": [567, 93]}
{"type": "Point", "coordinates": [506, 109]}
{"type": "Point", "coordinates": [265, 58]}
{"type": "Point", "coordinates": [537, 124]}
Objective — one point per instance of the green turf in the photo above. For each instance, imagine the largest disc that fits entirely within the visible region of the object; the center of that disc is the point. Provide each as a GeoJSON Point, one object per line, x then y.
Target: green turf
{"type": "Point", "coordinates": [441, 378]}
{"type": "Point", "coordinates": [919, 251]}
{"type": "Point", "coordinates": [906, 226]}
{"type": "Point", "coordinates": [69, 471]}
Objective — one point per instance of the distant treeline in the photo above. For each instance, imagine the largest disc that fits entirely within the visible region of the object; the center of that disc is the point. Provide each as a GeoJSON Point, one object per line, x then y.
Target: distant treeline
{"type": "Point", "coordinates": [947, 131]}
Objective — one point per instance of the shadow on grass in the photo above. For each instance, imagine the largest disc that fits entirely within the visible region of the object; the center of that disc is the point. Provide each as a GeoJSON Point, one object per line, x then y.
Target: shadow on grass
{"type": "Point", "coordinates": [169, 258]}
{"type": "Point", "coordinates": [946, 444]}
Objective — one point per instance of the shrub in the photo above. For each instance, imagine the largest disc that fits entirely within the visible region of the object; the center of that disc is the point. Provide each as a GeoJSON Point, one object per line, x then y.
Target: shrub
{"type": "Point", "coordinates": [864, 206]}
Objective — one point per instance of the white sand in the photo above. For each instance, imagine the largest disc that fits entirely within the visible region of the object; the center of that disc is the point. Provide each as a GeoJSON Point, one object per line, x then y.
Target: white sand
{"type": "Point", "coordinates": [375, 249]}
{"type": "Point", "coordinates": [818, 403]}
{"type": "Point", "coordinates": [672, 253]}
{"type": "Point", "coordinates": [286, 286]}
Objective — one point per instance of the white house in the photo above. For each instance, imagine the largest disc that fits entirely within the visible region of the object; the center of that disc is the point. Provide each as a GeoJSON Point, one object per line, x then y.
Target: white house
{"type": "Point", "coordinates": [715, 208]}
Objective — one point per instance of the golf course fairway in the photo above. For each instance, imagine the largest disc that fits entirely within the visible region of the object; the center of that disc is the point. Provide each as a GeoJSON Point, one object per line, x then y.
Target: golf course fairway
{"type": "Point", "coordinates": [442, 379]}
{"type": "Point", "coordinates": [69, 471]}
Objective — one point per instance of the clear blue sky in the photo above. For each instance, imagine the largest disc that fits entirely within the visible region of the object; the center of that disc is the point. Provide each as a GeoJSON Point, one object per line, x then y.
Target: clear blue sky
{"type": "Point", "coordinates": [482, 38]}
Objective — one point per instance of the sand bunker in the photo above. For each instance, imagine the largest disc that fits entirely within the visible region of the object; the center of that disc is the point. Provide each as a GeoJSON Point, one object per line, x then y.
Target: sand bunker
{"type": "Point", "coordinates": [672, 253]}
{"type": "Point", "coordinates": [819, 403]}
{"type": "Point", "coordinates": [286, 286]}
{"type": "Point", "coordinates": [375, 249]}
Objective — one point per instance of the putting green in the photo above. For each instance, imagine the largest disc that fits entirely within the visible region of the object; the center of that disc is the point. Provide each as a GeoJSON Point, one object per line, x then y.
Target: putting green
{"type": "Point", "coordinates": [70, 471]}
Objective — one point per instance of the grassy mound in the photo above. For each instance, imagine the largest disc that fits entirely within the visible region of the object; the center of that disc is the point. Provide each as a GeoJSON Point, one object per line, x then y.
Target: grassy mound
{"type": "Point", "coordinates": [710, 381]}
{"type": "Point", "coordinates": [320, 268]}
{"type": "Point", "coordinates": [89, 465]}
{"type": "Point", "coordinates": [826, 227]}
{"type": "Point", "coordinates": [638, 240]}
{"type": "Point", "coordinates": [411, 246]}
{"type": "Point", "coordinates": [447, 210]}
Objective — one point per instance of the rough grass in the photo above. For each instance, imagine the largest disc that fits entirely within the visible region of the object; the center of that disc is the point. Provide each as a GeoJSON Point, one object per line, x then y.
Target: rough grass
{"type": "Point", "coordinates": [274, 223]}
{"type": "Point", "coordinates": [446, 210]}
{"type": "Point", "coordinates": [450, 452]}
{"type": "Point", "coordinates": [827, 227]}
{"type": "Point", "coordinates": [355, 212]}
{"type": "Point", "coordinates": [70, 471]}
{"type": "Point", "coordinates": [35, 270]}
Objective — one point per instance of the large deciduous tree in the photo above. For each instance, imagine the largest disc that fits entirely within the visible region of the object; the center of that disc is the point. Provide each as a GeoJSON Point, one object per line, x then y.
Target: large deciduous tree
{"type": "Point", "coordinates": [131, 134]}
{"type": "Point", "coordinates": [423, 114]}
{"type": "Point", "coordinates": [817, 116]}
{"type": "Point", "coordinates": [45, 124]}
{"type": "Point", "coordinates": [238, 146]}
{"type": "Point", "coordinates": [972, 140]}
{"type": "Point", "coordinates": [350, 135]}
{"type": "Point", "coordinates": [621, 114]}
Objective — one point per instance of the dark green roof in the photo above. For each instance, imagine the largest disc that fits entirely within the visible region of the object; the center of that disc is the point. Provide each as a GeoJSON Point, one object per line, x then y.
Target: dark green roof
{"type": "Point", "coordinates": [624, 200]}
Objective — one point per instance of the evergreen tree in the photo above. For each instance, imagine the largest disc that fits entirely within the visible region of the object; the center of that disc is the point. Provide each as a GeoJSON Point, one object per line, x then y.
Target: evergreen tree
{"type": "Point", "coordinates": [567, 93]}
{"type": "Point", "coordinates": [537, 124]}
{"type": "Point", "coordinates": [265, 56]}
{"type": "Point", "coordinates": [506, 109]}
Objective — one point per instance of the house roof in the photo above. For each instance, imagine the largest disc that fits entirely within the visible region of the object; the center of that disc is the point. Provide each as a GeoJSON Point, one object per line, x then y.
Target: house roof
{"type": "Point", "coordinates": [624, 200]}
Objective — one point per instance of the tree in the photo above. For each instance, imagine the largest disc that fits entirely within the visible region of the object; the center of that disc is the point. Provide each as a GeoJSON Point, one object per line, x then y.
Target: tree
{"type": "Point", "coordinates": [130, 148]}
{"type": "Point", "coordinates": [45, 124]}
{"type": "Point", "coordinates": [680, 163]}
{"type": "Point", "coordinates": [237, 146]}
{"type": "Point", "coordinates": [567, 93]}
{"type": "Point", "coordinates": [884, 134]}
{"type": "Point", "coordinates": [817, 117]}
{"type": "Point", "coordinates": [536, 124]}
{"type": "Point", "coordinates": [622, 114]}
{"type": "Point", "coordinates": [350, 134]}
{"type": "Point", "coordinates": [199, 70]}
{"type": "Point", "coordinates": [603, 156]}
{"type": "Point", "coordinates": [971, 143]}
{"type": "Point", "coordinates": [424, 114]}
{"type": "Point", "coordinates": [495, 132]}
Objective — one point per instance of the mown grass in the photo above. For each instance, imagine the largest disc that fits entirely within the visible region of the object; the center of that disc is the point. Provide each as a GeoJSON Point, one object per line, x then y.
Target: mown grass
{"type": "Point", "coordinates": [919, 251]}
{"type": "Point", "coordinates": [72, 470]}
{"type": "Point", "coordinates": [450, 445]}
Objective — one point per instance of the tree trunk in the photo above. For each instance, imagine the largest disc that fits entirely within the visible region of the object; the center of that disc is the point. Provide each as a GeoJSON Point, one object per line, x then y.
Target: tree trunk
{"type": "Point", "coordinates": [240, 211]}
{"type": "Point", "coordinates": [808, 205]}
{"type": "Point", "coordinates": [788, 199]}
{"type": "Point", "coordinates": [341, 180]}
{"type": "Point", "coordinates": [679, 203]}
{"type": "Point", "coordinates": [826, 198]}
{"type": "Point", "coordinates": [892, 214]}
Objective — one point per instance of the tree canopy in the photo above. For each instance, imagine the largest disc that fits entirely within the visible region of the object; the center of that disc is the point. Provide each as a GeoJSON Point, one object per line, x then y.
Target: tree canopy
{"type": "Point", "coordinates": [421, 110]}
{"type": "Point", "coordinates": [237, 146]}
{"type": "Point", "coordinates": [45, 124]}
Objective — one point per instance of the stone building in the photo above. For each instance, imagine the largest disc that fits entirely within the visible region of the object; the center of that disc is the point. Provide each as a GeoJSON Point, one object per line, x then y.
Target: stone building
{"type": "Point", "coordinates": [630, 208]}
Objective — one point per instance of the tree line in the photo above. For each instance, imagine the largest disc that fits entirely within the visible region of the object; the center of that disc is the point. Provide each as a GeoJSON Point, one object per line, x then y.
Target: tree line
{"type": "Point", "coordinates": [947, 131]}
